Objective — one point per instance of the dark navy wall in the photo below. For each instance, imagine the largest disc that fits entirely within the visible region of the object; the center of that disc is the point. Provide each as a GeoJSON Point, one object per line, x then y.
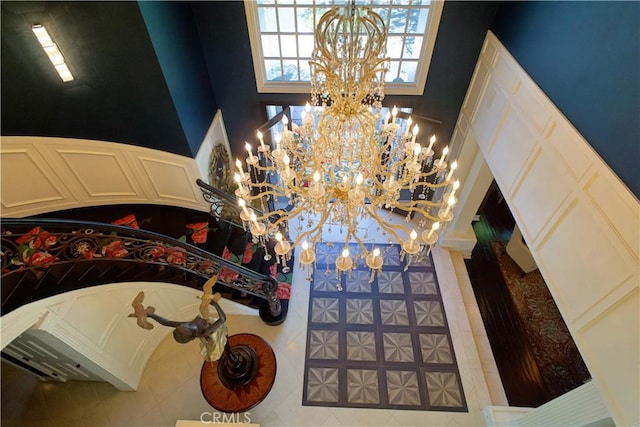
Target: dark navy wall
{"type": "Point", "coordinates": [177, 45]}
{"type": "Point", "coordinates": [586, 57]}
{"type": "Point", "coordinates": [118, 94]}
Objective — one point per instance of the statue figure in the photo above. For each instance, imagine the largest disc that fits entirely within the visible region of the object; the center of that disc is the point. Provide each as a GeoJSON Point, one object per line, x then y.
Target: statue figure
{"type": "Point", "coordinates": [209, 328]}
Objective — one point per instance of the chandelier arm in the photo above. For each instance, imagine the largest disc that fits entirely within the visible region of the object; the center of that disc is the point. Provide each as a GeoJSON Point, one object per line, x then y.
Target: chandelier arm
{"type": "Point", "coordinates": [275, 189]}
{"type": "Point", "coordinates": [283, 215]}
{"type": "Point", "coordinates": [388, 228]}
{"type": "Point", "coordinates": [417, 204]}
{"type": "Point", "coordinates": [319, 226]}
{"type": "Point", "coordinates": [430, 173]}
{"type": "Point", "coordinates": [422, 212]}
{"type": "Point", "coordinates": [365, 252]}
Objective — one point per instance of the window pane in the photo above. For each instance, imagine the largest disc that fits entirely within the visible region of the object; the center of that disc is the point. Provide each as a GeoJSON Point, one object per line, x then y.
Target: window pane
{"type": "Point", "coordinates": [418, 20]}
{"type": "Point", "coordinates": [421, 2]}
{"type": "Point", "coordinates": [305, 71]}
{"type": "Point", "coordinates": [270, 47]}
{"type": "Point", "coordinates": [305, 19]}
{"type": "Point", "coordinates": [408, 71]}
{"type": "Point", "coordinates": [290, 69]}
{"type": "Point", "coordinates": [319, 12]}
{"type": "Point", "coordinates": [383, 12]}
{"type": "Point", "coordinates": [286, 19]}
{"type": "Point", "coordinates": [412, 46]}
{"type": "Point", "coordinates": [392, 75]}
{"type": "Point", "coordinates": [272, 67]}
{"type": "Point", "coordinates": [266, 1]}
{"type": "Point", "coordinates": [288, 44]}
{"type": "Point", "coordinates": [401, 2]}
{"type": "Point", "coordinates": [267, 17]}
{"type": "Point", "coordinates": [305, 46]}
{"type": "Point", "coordinates": [394, 46]}
{"type": "Point", "coordinates": [398, 21]}
{"type": "Point", "coordinates": [285, 1]}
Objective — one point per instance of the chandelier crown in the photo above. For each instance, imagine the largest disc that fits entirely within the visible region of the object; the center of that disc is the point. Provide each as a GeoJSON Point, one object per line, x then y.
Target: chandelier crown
{"type": "Point", "coordinates": [349, 61]}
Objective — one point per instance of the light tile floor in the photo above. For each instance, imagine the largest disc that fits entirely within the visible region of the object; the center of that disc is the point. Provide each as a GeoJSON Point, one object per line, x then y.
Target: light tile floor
{"type": "Point", "coordinates": [170, 390]}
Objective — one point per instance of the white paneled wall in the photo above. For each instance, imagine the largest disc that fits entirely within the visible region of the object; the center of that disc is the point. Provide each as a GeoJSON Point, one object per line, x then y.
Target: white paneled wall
{"type": "Point", "coordinates": [581, 223]}
{"type": "Point", "coordinates": [41, 175]}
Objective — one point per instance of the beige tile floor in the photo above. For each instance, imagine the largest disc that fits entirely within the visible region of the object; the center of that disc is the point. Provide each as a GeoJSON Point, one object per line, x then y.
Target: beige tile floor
{"type": "Point", "coordinates": [169, 389]}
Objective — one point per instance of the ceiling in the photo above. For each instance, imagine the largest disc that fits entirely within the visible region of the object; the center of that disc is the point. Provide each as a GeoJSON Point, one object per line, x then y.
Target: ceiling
{"type": "Point", "coordinates": [153, 74]}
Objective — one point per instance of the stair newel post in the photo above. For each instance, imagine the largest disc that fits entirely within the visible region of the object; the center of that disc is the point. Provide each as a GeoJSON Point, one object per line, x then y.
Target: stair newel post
{"type": "Point", "coordinates": [272, 313]}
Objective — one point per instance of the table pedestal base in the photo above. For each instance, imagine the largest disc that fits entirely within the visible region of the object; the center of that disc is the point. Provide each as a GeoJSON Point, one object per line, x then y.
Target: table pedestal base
{"type": "Point", "coordinates": [242, 377]}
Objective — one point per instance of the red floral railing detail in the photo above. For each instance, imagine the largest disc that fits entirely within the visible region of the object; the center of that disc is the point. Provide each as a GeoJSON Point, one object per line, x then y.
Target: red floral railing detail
{"type": "Point", "coordinates": [56, 242]}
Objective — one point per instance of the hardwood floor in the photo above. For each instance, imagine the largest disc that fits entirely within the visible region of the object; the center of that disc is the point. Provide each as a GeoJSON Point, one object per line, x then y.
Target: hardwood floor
{"type": "Point", "coordinates": [521, 377]}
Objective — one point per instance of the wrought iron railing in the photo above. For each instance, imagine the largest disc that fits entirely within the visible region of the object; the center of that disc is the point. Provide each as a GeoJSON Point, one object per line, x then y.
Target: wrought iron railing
{"type": "Point", "coordinates": [36, 245]}
{"type": "Point", "coordinates": [225, 207]}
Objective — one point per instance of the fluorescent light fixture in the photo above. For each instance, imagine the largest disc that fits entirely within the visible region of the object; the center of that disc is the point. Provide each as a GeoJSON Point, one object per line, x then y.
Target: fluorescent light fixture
{"type": "Point", "coordinates": [52, 51]}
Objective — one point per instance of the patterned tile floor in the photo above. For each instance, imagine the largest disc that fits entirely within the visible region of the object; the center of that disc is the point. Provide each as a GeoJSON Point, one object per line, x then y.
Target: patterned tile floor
{"type": "Point", "coordinates": [379, 344]}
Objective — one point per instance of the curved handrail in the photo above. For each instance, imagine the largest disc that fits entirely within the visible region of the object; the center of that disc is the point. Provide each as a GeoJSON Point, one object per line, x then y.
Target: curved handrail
{"type": "Point", "coordinates": [36, 244]}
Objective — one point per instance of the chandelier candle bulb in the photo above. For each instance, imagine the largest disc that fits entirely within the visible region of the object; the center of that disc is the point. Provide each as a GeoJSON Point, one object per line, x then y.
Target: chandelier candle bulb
{"type": "Point", "coordinates": [445, 151]}
{"type": "Point", "coordinates": [413, 236]}
{"type": "Point", "coordinates": [406, 132]}
{"type": "Point", "coordinates": [455, 187]}
{"type": "Point", "coordinates": [251, 159]}
{"type": "Point", "coordinates": [374, 261]}
{"type": "Point", "coordinates": [286, 160]}
{"type": "Point", "coordinates": [241, 192]}
{"type": "Point", "coordinates": [432, 141]}
{"type": "Point", "coordinates": [278, 140]}
{"type": "Point", "coordinates": [245, 211]}
{"type": "Point", "coordinates": [307, 257]}
{"type": "Point", "coordinates": [417, 149]}
{"type": "Point", "coordinates": [262, 146]}
{"type": "Point", "coordinates": [454, 165]}
{"type": "Point", "coordinates": [414, 134]}
{"type": "Point", "coordinates": [394, 113]}
{"type": "Point", "coordinates": [344, 262]}
{"type": "Point", "coordinates": [430, 237]}
{"type": "Point", "coordinates": [282, 250]}
{"type": "Point", "coordinates": [253, 218]}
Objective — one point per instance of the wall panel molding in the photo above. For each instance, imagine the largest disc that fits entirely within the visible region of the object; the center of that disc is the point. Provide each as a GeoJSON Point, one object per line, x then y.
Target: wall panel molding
{"type": "Point", "coordinates": [20, 163]}
{"type": "Point", "coordinates": [42, 175]}
{"type": "Point", "coordinates": [580, 221]}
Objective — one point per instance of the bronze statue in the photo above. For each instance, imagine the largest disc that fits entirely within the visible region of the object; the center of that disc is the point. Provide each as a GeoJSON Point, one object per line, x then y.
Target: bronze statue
{"type": "Point", "coordinates": [209, 328]}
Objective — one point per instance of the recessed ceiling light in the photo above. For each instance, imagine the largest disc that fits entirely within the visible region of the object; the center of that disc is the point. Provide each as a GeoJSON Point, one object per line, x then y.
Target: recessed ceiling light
{"type": "Point", "coordinates": [52, 51]}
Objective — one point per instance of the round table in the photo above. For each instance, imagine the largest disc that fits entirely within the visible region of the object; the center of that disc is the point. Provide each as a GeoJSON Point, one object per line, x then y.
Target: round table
{"type": "Point", "coordinates": [244, 397]}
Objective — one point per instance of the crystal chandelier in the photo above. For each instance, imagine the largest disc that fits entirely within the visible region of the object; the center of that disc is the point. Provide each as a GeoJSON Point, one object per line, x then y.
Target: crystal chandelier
{"type": "Point", "coordinates": [345, 163]}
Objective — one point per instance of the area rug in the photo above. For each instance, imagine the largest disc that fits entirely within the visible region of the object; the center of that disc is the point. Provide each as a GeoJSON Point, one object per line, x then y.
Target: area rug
{"type": "Point", "coordinates": [384, 344]}
{"type": "Point", "coordinates": [553, 347]}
